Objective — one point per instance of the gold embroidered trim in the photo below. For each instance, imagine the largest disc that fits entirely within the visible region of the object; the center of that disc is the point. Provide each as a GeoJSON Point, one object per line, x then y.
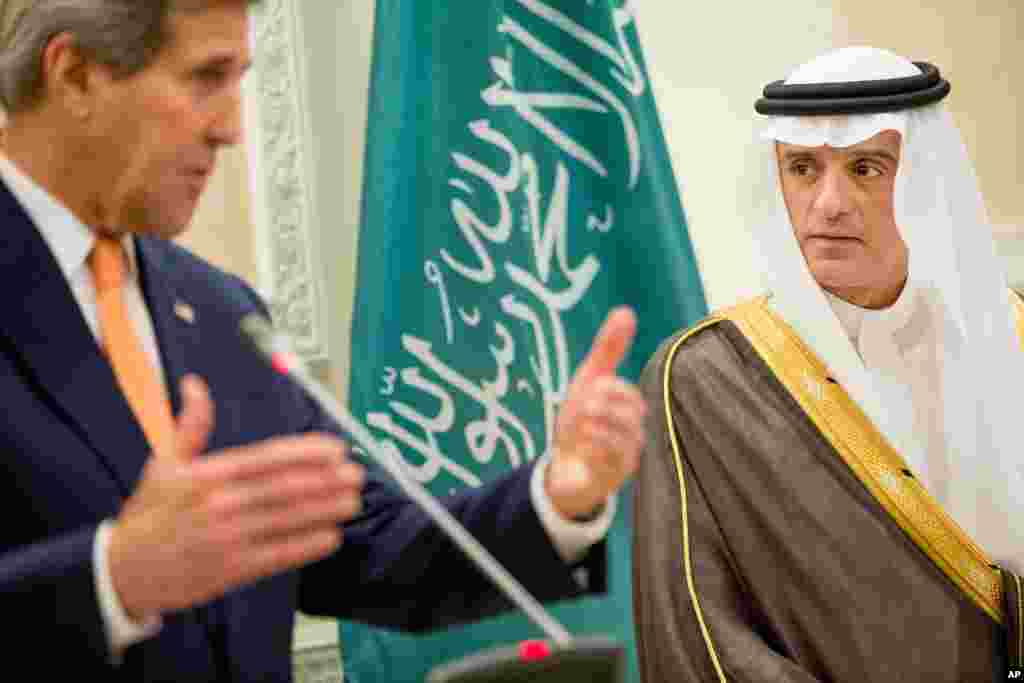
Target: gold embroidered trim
{"type": "Point", "coordinates": [1020, 623]}
{"type": "Point", "coordinates": [677, 456]}
{"type": "Point", "coordinates": [878, 466]}
{"type": "Point", "coordinates": [1018, 308]}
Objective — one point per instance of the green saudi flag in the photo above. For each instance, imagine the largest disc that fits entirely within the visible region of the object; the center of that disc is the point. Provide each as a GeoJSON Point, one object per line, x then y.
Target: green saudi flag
{"type": "Point", "coordinates": [516, 189]}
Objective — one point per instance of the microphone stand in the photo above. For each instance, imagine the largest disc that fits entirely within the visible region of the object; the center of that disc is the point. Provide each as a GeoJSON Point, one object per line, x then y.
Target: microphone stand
{"type": "Point", "coordinates": [590, 659]}
{"type": "Point", "coordinates": [386, 455]}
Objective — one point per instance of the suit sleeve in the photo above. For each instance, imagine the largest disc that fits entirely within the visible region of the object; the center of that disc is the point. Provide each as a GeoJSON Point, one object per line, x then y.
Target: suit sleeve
{"type": "Point", "coordinates": [50, 586]}
{"type": "Point", "coordinates": [396, 569]}
{"type": "Point", "coordinates": [694, 620]}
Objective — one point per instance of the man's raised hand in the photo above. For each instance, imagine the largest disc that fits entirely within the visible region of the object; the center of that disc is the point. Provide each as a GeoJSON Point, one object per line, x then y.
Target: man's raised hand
{"type": "Point", "coordinates": [196, 527]}
{"type": "Point", "coordinates": [600, 429]}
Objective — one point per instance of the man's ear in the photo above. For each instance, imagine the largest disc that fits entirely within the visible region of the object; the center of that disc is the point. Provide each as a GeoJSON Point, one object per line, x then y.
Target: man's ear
{"type": "Point", "coordinates": [68, 77]}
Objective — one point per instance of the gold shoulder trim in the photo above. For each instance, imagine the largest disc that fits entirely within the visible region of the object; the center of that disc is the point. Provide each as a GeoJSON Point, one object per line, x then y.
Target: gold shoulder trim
{"type": "Point", "coordinates": [1018, 309]}
{"type": "Point", "coordinates": [678, 457]}
{"type": "Point", "coordinates": [871, 458]}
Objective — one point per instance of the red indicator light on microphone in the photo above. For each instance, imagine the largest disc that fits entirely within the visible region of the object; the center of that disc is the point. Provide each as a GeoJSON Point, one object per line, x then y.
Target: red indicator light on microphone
{"type": "Point", "coordinates": [534, 650]}
{"type": "Point", "coordinates": [282, 362]}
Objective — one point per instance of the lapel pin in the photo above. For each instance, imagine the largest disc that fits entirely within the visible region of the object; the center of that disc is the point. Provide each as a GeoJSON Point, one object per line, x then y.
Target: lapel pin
{"type": "Point", "coordinates": [185, 312]}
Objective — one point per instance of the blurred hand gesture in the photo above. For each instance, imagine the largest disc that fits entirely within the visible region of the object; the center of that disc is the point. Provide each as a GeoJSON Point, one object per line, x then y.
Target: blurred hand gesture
{"type": "Point", "coordinates": [600, 428]}
{"type": "Point", "coordinates": [196, 527]}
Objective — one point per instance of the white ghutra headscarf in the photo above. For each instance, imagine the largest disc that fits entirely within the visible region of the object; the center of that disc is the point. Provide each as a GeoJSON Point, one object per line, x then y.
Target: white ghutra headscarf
{"type": "Point", "coordinates": [976, 465]}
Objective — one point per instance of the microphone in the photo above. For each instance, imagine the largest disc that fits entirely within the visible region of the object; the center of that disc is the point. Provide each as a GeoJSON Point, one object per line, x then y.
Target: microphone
{"type": "Point", "coordinates": [591, 659]}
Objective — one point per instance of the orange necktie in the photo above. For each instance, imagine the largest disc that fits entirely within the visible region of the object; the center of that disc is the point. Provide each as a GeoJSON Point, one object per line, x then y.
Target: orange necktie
{"type": "Point", "coordinates": [135, 373]}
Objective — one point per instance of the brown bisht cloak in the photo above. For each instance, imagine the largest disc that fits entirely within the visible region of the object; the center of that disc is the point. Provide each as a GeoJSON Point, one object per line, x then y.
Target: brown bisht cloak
{"type": "Point", "coordinates": [777, 536]}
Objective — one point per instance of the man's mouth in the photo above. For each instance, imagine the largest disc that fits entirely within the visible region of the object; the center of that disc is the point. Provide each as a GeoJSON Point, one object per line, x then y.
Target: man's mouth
{"type": "Point", "coordinates": [201, 172]}
{"type": "Point", "coordinates": [196, 179]}
{"type": "Point", "coordinates": [834, 238]}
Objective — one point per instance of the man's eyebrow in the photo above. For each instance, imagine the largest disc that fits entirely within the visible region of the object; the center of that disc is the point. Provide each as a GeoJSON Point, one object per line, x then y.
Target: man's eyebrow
{"type": "Point", "coordinates": [860, 152]}
{"type": "Point", "coordinates": [791, 154]}
{"type": "Point", "coordinates": [225, 61]}
{"type": "Point", "coordinates": [877, 152]}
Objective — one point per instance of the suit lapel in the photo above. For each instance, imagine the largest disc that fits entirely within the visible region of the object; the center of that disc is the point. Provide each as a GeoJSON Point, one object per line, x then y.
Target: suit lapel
{"type": "Point", "coordinates": [176, 332]}
{"type": "Point", "coordinates": [47, 330]}
{"type": "Point", "coordinates": [194, 337]}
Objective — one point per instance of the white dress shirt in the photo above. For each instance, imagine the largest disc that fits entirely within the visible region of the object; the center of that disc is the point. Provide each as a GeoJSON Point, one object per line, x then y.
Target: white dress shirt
{"type": "Point", "coordinates": [71, 241]}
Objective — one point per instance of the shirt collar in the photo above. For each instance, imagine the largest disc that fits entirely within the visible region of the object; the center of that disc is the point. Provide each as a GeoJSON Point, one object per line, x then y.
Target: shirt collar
{"type": "Point", "coordinates": [850, 315]}
{"type": "Point", "coordinates": [68, 238]}
{"type": "Point", "coordinates": [901, 321]}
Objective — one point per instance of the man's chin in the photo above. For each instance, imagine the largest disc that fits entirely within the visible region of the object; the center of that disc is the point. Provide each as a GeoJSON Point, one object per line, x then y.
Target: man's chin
{"type": "Point", "coordinates": [166, 228]}
{"type": "Point", "coordinates": [836, 275]}
{"type": "Point", "coordinates": [172, 230]}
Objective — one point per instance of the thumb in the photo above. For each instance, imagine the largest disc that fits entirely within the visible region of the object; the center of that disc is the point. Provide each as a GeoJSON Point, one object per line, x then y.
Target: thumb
{"type": "Point", "coordinates": [195, 421]}
{"type": "Point", "coordinates": [611, 344]}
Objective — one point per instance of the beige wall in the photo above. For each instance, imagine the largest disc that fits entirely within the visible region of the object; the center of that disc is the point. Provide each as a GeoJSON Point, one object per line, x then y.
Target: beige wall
{"type": "Point", "coordinates": [337, 119]}
{"type": "Point", "coordinates": [222, 230]}
{"type": "Point", "coordinates": [977, 46]}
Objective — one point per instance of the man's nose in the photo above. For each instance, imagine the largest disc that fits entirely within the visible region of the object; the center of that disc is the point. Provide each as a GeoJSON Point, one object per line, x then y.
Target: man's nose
{"type": "Point", "coordinates": [226, 126]}
{"type": "Point", "coordinates": [835, 195]}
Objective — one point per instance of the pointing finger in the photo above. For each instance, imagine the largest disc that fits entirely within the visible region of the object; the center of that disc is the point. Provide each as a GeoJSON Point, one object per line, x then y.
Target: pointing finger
{"type": "Point", "coordinates": [195, 421]}
{"type": "Point", "coordinates": [611, 344]}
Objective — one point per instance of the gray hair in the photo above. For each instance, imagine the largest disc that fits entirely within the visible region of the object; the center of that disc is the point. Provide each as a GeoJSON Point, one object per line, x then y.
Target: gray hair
{"type": "Point", "coordinates": [125, 35]}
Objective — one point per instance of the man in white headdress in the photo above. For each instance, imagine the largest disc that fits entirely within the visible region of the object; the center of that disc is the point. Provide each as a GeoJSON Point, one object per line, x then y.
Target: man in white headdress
{"type": "Point", "coordinates": [832, 484]}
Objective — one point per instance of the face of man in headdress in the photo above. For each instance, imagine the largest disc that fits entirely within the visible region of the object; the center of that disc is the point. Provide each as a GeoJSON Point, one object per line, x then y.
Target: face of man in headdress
{"type": "Point", "coordinates": [840, 203]}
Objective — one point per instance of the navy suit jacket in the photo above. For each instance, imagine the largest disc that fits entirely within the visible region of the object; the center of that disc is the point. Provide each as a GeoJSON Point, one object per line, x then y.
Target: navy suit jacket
{"type": "Point", "coordinates": [73, 452]}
